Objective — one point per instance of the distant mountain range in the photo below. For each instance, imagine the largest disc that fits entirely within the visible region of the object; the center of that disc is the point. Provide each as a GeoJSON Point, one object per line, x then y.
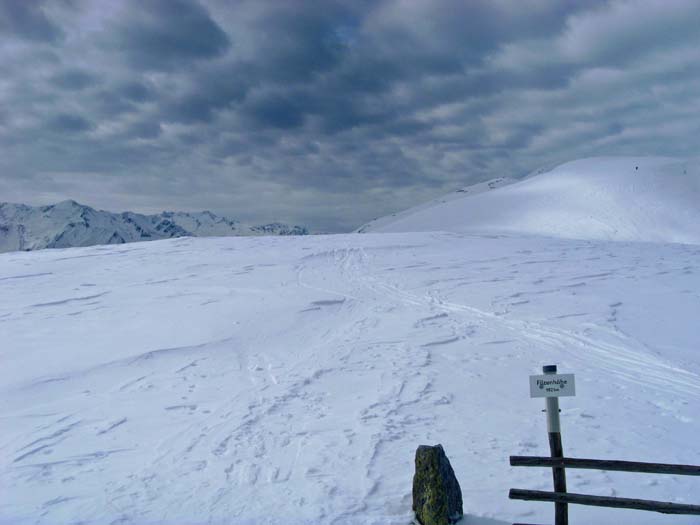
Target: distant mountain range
{"type": "Point", "coordinates": [69, 223]}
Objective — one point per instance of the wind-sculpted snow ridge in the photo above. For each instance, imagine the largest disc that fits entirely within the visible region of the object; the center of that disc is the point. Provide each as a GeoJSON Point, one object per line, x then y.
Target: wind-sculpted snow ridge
{"type": "Point", "coordinates": [70, 224]}
{"type": "Point", "coordinates": [610, 198]}
{"type": "Point", "coordinates": [289, 380]}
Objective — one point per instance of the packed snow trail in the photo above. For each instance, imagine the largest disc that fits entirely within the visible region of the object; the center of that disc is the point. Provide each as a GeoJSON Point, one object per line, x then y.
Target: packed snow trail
{"type": "Point", "coordinates": [289, 380]}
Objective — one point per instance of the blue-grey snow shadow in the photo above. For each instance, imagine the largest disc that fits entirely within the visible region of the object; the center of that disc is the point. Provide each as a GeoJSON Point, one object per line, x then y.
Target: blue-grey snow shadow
{"type": "Point", "coordinates": [474, 520]}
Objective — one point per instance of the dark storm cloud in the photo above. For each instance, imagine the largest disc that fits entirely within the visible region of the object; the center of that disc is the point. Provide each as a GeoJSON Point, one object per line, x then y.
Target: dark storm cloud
{"type": "Point", "coordinates": [73, 79]}
{"type": "Point", "coordinates": [167, 34]}
{"type": "Point", "coordinates": [66, 123]}
{"type": "Point", "coordinates": [206, 93]}
{"type": "Point", "coordinates": [300, 41]}
{"type": "Point", "coordinates": [27, 19]}
{"type": "Point", "coordinates": [136, 92]}
{"type": "Point", "coordinates": [112, 104]}
{"type": "Point", "coordinates": [331, 112]}
{"type": "Point", "coordinates": [276, 111]}
{"type": "Point", "coordinates": [147, 129]}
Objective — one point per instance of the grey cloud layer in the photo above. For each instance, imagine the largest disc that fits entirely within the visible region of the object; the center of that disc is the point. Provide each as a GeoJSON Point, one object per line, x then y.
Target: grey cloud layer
{"type": "Point", "coordinates": [330, 113]}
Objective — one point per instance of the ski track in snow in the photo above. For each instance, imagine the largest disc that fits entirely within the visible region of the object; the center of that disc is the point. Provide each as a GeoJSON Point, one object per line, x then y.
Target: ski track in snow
{"type": "Point", "coordinates": [276, 380]}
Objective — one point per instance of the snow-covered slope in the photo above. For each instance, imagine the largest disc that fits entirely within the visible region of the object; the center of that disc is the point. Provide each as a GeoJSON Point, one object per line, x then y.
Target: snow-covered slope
{"type": "Point", "coordinates": [378, 224]}
{"type": "Point", "coordinates": [69, 224]}
{"type": "Point", "coordinates": [614, 198]}
{"type": "Point", "coordinates": [288, 380]}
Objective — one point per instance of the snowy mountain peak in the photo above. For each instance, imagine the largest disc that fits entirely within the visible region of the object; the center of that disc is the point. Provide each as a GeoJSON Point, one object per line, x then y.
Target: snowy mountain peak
{"type": "Point", "coordinates": [68, 203]}
{"type": "Point", "coordinates": [653, 199]}
{"type": "Point", "coordinates": [69, 223]}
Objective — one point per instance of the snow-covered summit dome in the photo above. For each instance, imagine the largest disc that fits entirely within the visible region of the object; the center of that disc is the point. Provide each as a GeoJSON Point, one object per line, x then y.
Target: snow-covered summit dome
{"type": "Point", "coordinates": [615, 198]}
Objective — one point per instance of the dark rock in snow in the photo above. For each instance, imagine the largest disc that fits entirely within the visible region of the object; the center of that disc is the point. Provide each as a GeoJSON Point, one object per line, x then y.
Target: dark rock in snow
{"type": "Point", "coordinates": [437, 496]}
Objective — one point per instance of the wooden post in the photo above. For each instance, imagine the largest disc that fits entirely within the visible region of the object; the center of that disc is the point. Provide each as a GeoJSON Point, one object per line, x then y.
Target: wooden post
{"type": "Point", "coordinates": [561, 510]}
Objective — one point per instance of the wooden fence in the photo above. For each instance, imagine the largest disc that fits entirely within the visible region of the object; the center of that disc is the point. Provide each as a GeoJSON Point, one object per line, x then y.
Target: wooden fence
{"type": "Point", "coordinates": [561, 497]}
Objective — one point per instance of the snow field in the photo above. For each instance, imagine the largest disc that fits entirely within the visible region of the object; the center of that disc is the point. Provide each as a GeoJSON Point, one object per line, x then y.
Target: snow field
{"type": "Point", "coordinates": [289, 380]}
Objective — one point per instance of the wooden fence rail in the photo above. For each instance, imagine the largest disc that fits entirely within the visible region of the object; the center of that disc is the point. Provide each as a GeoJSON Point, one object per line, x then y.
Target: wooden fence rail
{"type": "Point", "coordinates": [563, 497]}
{"type": "Point", "coordinates": [605, 464]}
{"type": "Point", "coordinates": [604, 501]}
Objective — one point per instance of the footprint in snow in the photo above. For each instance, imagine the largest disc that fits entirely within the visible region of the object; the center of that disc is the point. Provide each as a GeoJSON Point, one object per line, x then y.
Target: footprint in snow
{"type": "Point", "coordinates": [182, 407]}
{"type": "Point", "coordinates": [328, 302]}
{"type": "Point", "coordinates": [441, 342]}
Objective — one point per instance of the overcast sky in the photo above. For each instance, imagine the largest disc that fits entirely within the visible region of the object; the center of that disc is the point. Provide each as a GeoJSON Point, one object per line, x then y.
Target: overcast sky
{"type": "Point", "coordinates": [329, 113]}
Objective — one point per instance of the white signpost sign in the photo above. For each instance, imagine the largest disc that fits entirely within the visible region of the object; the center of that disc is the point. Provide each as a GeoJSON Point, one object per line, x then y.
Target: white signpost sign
{"type": "Point", "coordinates": [552, 385]}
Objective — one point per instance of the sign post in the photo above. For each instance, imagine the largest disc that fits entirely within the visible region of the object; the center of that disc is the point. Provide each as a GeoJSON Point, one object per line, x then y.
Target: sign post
{"type": "Point", "coordinates": [551, 386]}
